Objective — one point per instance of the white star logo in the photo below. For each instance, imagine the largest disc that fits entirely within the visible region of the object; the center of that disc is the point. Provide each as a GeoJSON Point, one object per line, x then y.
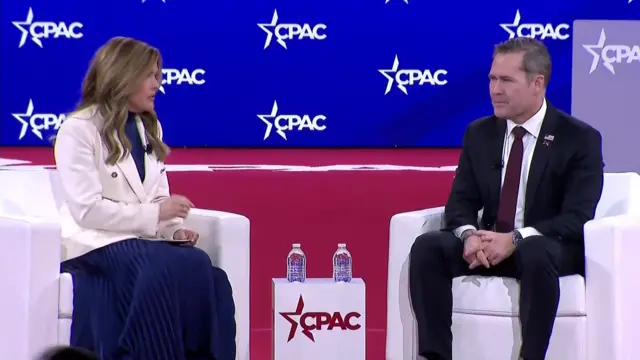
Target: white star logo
{"type": "Point", "coordinates": [162, 82]}
{"type": "Point", "coordinates": [272, 116]}
{"type": "Point", "coordinates": [24, 27]}
{"type": "Point", "coordinates": [25, 123]}
{"type": "Point", "coordinates": [596, 54]}
{"type": "Point", "coordinates": [515, 24]}
{"type": "Point", "coordinates": [144, 1]}
{"type": "Point", "coordinates": [387, 1]}
{"type": "Point", "coordinates": [272, 24]}
{"type": "Point", "coordinates": [390, 79]}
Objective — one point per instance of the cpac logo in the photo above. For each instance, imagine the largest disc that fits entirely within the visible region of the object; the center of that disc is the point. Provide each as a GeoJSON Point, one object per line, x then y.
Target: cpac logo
{"type": "Point", "coordinates": [412, 77]}
{"type": "Point", "coordinates": [181, 76]}
{"type": "Point", "coordinates": [310, 321]}
{"type": "Point", "coordinates": [37, 122]}
{"type": "Point", "coordinates": [285, 32]}
{"type": "Point", "coordinates": [46, 29]}
{"type": "Point", "coordinates": [285, 123]}
{"type": "Point", "coordinates": [611, 54]}
{"type": "Point", "coordinates": [536, 31]}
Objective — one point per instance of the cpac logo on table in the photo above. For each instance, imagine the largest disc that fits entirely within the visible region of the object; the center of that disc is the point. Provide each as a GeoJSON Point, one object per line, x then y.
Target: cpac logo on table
{"type": "Point", "coordinates": [412, 77]}
{"type": "Point", "coordinates": [536, 31]}
{"type": "Point", "coordinates": [181, 76]}
{"type": "Point", "coordinates": [316, 321]}
{"type": "Point", "coordinates": [609, 55]}
{"type": "Point", "coordinates": [285, 32]}
{"type": "Point", "coordinates": [39, 30]}
{"type": "Point", "coordinates": [285, 123]}
{"type": "Point", "coordinates": [37, 122]}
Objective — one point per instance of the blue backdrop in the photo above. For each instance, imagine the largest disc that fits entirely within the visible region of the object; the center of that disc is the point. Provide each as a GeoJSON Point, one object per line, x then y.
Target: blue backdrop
{"type": "Point", "coordinates": [276, 73]}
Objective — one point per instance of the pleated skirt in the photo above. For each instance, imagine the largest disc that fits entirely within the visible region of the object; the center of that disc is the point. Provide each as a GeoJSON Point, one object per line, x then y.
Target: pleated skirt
{"type": "Point", "coordinates": [149, 300]}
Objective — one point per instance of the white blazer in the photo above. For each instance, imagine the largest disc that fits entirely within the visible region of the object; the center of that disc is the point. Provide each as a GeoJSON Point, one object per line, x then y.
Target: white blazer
{"type": "Point", "coordinates": [106, 203]}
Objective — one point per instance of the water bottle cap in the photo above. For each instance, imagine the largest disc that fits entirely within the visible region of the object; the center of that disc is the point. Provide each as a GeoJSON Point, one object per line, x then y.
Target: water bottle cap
{"type": "Point", "coordinates": [296, 245]}
{"type": "Point", "coordinates": [342, 245]}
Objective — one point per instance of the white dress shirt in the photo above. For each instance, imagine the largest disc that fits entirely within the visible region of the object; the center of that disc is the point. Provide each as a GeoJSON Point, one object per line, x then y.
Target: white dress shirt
{"type": "Point", "coordinates": [533, 126]}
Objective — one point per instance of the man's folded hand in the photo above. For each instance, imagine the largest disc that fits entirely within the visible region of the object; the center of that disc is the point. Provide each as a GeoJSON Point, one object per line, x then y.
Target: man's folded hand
{"type": "Point", "coordinates": [473, 251]}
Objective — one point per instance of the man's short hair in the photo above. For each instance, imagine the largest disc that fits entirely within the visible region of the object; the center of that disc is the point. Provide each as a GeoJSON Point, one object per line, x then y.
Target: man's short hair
{"type": "Point", "coordinates": [535, 56]}
{"type": "Point", "coordinates": [68, 353]}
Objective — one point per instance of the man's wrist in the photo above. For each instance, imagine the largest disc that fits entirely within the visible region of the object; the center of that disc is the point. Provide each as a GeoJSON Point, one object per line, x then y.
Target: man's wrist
{"type": "Point", "coordinates": [465, 234]}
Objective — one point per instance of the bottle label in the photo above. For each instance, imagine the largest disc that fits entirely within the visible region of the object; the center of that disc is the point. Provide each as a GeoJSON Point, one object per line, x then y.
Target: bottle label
{"type": "Point", "coordinates": [296, 268]}
{"type": "Point", "coordinates": [342, 268]}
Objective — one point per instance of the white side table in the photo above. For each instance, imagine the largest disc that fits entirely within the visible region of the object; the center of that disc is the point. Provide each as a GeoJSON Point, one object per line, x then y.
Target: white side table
{"type": "Point", "coordinates": [319, 320]}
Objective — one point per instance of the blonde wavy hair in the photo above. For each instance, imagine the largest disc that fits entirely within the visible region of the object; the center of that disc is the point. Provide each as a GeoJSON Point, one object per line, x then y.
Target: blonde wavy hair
{"type": "Point", "coordinates": [115, 73]}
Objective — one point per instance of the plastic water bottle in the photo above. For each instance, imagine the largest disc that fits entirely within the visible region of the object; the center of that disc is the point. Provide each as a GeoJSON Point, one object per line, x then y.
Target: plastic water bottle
{"type": "Point", "coordinates": [296, 265]}
{"type": "Point", "coordinates": [342, 264]}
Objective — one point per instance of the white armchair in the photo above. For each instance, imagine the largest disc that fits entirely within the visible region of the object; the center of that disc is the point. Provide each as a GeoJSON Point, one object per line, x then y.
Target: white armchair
{"type": "Point", "coordinates": [36, 301]}
{"type": "Point", "coordinates": [595, 321]}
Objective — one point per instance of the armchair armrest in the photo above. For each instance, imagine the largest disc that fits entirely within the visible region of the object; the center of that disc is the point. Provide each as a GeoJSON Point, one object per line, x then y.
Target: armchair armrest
{"type": "Point", "coordinates": [29, 268]}
{"type": "Point", "coordinates": [612, 286]}
{"type": "Point", "coordinates": [225, 238]}
{"type": "Point", "coordinates": [404, 229]}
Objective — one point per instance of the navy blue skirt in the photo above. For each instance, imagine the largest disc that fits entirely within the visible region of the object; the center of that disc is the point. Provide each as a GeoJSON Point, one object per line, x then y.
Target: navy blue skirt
{"type": "Point", "coordinates": [151, 300]}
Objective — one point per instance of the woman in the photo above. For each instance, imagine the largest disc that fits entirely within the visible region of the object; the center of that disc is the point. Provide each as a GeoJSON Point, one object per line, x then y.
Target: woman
{"type": "Point", "coordinates": [141, 290]}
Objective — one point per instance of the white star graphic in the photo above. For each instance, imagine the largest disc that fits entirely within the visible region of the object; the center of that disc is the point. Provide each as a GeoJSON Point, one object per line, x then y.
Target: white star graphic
{"type": "Point", "coordinates": [596, 54]}
{"type": "Point", "coordinates": [25, 31]}
{"type": "Point", "coordinates": [272, 24]}
{"type": "Point", "coordinates": [272, 116]}
{"type": "Point", "coordinates": [516, 22]}
{"type": "Point", "coordinates": [393, 70]}
{"type": "Point", "coordinates": [387, 1]}
{"type": "Point", "coordinates": [144, 1]}
{"type": "Point", "coordinates": [25, 123]}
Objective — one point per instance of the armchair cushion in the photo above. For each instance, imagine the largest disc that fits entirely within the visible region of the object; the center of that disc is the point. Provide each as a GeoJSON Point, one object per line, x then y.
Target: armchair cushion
{"type": "Point", "coordinates": [479, 295]}
{"type": "Point", "coordinates": [65, 305]}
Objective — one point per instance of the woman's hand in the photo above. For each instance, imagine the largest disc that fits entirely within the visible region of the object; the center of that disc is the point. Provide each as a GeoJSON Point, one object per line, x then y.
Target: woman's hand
{"type": "Point", "coordinates": [175, 206]}
{"type": "Point", "coordinates": [186, 235]}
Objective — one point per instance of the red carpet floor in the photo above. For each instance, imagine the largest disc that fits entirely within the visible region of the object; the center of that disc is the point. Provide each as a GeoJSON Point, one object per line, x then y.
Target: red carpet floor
{"type": "Point", "coordinates": [317, 198]}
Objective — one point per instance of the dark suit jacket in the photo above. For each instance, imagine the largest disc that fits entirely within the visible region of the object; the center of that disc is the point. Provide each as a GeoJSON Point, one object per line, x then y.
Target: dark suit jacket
{"type": "Point", "coordinates": [564, 183]}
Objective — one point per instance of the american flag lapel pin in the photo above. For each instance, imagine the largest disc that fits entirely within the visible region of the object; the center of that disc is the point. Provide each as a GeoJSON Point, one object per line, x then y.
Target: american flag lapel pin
{"type": "Point", "coordinates": [547, 140]}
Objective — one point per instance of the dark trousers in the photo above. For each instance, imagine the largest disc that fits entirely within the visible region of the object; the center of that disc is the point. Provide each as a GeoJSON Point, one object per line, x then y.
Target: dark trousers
{"type": "Point", "coordinates": [538, 262]}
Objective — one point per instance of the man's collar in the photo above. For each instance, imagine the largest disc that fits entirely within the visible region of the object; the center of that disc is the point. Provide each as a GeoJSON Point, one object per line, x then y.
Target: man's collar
{"type": "Point", "coordinates": [534, 124]}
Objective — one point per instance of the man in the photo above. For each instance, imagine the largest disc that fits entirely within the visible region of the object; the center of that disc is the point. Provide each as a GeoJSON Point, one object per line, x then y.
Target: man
{"type": "Point", "coordinates": [537, 173]}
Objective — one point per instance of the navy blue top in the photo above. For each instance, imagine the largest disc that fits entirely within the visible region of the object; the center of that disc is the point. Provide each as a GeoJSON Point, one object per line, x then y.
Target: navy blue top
{"type": "Point", "coordinates": [137, 149]}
